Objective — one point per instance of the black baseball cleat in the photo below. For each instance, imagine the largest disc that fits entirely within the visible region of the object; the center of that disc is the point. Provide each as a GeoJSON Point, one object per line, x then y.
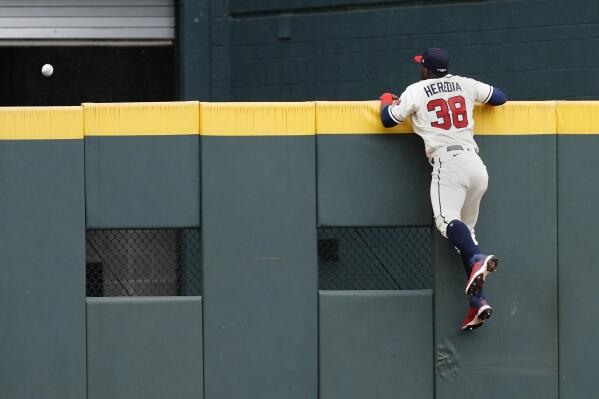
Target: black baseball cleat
{"type": "Point", "coordinates": [482, 266]}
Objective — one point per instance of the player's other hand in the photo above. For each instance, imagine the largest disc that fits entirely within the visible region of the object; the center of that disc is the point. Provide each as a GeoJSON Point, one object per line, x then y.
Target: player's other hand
{"type": "Point", "coordinates": [388, 99]}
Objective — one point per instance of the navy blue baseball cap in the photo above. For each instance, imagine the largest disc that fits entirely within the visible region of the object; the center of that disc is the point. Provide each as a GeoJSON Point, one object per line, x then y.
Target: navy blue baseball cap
{"type": "Point", "coordinates": [434, 59]}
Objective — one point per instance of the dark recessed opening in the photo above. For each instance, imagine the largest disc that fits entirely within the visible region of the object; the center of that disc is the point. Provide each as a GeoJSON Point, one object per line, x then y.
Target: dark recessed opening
{"type": "Point", "coordinates": [86, 74]}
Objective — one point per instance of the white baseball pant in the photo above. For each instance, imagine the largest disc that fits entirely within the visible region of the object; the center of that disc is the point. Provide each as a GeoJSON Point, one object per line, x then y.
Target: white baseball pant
{"type": "Point", "coordinates": [459, 181]}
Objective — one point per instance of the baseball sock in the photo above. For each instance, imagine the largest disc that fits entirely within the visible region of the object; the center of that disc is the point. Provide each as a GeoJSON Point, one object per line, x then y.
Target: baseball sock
{"type": "Point", "coordinates": [475, 300]}
{"type": "Point", "coordinates": [466, 263]}
{"type": "Point", "coordinates": [459, 234]}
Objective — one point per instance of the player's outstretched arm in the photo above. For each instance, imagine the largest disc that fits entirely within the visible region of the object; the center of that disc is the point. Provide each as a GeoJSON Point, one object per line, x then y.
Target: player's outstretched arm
{"type": "Point", "coordinates": [497, 98]}
{"type": "Point", "coordinates": [387, 99]}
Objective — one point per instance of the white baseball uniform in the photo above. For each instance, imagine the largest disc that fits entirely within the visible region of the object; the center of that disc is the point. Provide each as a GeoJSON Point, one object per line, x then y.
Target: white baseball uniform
{"type": "Point", "coordinates": [442, 114]}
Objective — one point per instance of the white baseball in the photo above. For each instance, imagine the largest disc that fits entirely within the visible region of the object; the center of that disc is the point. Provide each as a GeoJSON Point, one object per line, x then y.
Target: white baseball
{"type": "Point", "coordinates": [47, 70]}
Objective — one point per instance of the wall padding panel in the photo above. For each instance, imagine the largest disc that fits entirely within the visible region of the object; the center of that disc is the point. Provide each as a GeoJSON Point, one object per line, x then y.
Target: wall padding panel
{"type": "Point", "coordinates": [260, 264]}
{"type": "Point", "coordinates": [369, 175]}
{"type": "Point", "coordinates": [376, 344]}
{"type": "Point", "coordinates": [147, 348]}
{"type": "Point", "coordinates": [142, 165]}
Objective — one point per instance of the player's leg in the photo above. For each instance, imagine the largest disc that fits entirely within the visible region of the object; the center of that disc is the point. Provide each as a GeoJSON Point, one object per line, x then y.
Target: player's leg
{"type": "Point", "coordinates": [478, 183]}
{"type": "Point", "coordinates": [460, 235]}
{"type": "Point", "coordinates": [470, 210]}
{"type": "Point", "coordinates": [479, 309]}
{"type": "Point", "coordinates": [449, 188]}
{"type": "Point", "coordinates": [480, 265]}
{"type": "Point", "coordinates": [448, 193]}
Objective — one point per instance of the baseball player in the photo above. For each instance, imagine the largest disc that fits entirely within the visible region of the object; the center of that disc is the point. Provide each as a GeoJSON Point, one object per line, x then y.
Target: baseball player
{"type": "Point", "coordinates": [441, 108]}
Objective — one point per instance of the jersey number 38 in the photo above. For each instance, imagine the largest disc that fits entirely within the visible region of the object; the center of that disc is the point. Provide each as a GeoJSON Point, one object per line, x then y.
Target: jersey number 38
{"type": "Point", "coordinates": [449, 113]}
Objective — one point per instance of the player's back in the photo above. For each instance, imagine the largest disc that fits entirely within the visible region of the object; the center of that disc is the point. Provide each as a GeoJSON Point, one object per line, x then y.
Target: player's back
{"type": "Point", "coordinates": [442, 110]}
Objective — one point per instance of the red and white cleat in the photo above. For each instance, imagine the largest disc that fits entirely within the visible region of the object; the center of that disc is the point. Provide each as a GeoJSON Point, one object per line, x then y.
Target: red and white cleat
{"type": "Point", "coordinates": [476, 316]}
{"type": "Point", "coordinates": [483, 265]}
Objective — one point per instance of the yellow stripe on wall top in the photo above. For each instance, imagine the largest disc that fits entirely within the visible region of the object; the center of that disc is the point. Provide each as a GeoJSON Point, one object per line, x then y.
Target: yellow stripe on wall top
{"type": "Point", "coordinates": [363, 117]}
{"type": "Point", "coordinates": [257, 119]}
{"type": "Point", "coordinates": [277, 119]}
{"type": "Point", "coordinates": [353, 117]}
{"type": "Point", "coordinates": [516, 118]}
{"type": "Point", "coordinates": [578, 117]}
{"type": "Point", "coordinates": [142, 119]}
{"type": "Point", "coordinates": [41, 123]}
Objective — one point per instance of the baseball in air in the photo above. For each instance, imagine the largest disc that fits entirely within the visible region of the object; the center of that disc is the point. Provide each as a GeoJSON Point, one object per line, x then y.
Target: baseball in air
{"type": "Point", "coordinates": [47, 70]}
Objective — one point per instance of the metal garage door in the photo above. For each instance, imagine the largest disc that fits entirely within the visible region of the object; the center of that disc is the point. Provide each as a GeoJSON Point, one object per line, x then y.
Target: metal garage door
{"type": "Point", "coordinates": [87, 19]}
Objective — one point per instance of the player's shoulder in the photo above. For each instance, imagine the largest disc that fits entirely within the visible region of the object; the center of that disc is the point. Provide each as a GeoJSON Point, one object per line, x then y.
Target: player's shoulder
{"type": "Point", "coordinates": [461, 78]}
{"type": "Point", "coordinates": [465, 79]}
{"type": "Point", "coordinates": [415, 87]}
{"type": "Point", "coordinates": [466, 83]}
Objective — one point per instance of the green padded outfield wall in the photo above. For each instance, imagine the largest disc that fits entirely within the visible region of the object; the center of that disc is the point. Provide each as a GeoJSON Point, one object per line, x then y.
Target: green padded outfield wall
{"type": "Point", "coordinates": [142, 165]}
{"type": "Point", "coordinates": [259, 243]}
{"type": "Point", "coordinates": [578, 203]}
{"type": "Point", "coordinates": [260, 318]}
{"type": "Point", "coordinates": [42, 233]}
{"type": "Point", "coordinates": [518, 221]}
{"type": "Point", "coordinates": [147, 348]}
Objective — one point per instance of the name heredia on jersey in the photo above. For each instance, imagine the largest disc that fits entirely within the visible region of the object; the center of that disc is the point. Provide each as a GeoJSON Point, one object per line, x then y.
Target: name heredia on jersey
{"type": "Point", "coordinates": [441, 87]}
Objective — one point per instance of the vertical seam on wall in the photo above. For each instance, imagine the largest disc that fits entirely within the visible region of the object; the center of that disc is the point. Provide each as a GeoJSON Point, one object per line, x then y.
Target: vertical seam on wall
{"type": "Point", "coordinates": [86, 352]}
{"type": "Point", "coordinates": [84, 172]}
{"type": "Point", "coordinates": [556, 143]}
{"type": "Point", "coordinates": [202, 235]}
{"type": "Point", "coordinates": [316, 168]}
{"type": "Point", "coordinates": [201, 224]}
{"type": "Point", "coordinates": [557, 285]}
{"type": "Point", "coordinates": [317, 334]}
{"type": "Point", "coordinates": [85, 253]}
{"type": "Point", "coordinates": [201, 228]}
{"type": "Point", "coordinates": [316, 202]}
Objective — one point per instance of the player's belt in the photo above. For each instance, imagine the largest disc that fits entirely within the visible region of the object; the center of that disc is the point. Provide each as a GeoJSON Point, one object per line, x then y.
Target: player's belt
{"type": "Point", "coordinates": [445, 150]}
{"type": "Point", "coordinates": [455, 148]}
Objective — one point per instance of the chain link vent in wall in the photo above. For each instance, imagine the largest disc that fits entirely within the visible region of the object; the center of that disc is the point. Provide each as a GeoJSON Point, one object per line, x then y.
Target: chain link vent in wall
{"type": "Point", "coordinates": [375, 258]}
{"type": "Point", "coordinates": [143, 262]}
